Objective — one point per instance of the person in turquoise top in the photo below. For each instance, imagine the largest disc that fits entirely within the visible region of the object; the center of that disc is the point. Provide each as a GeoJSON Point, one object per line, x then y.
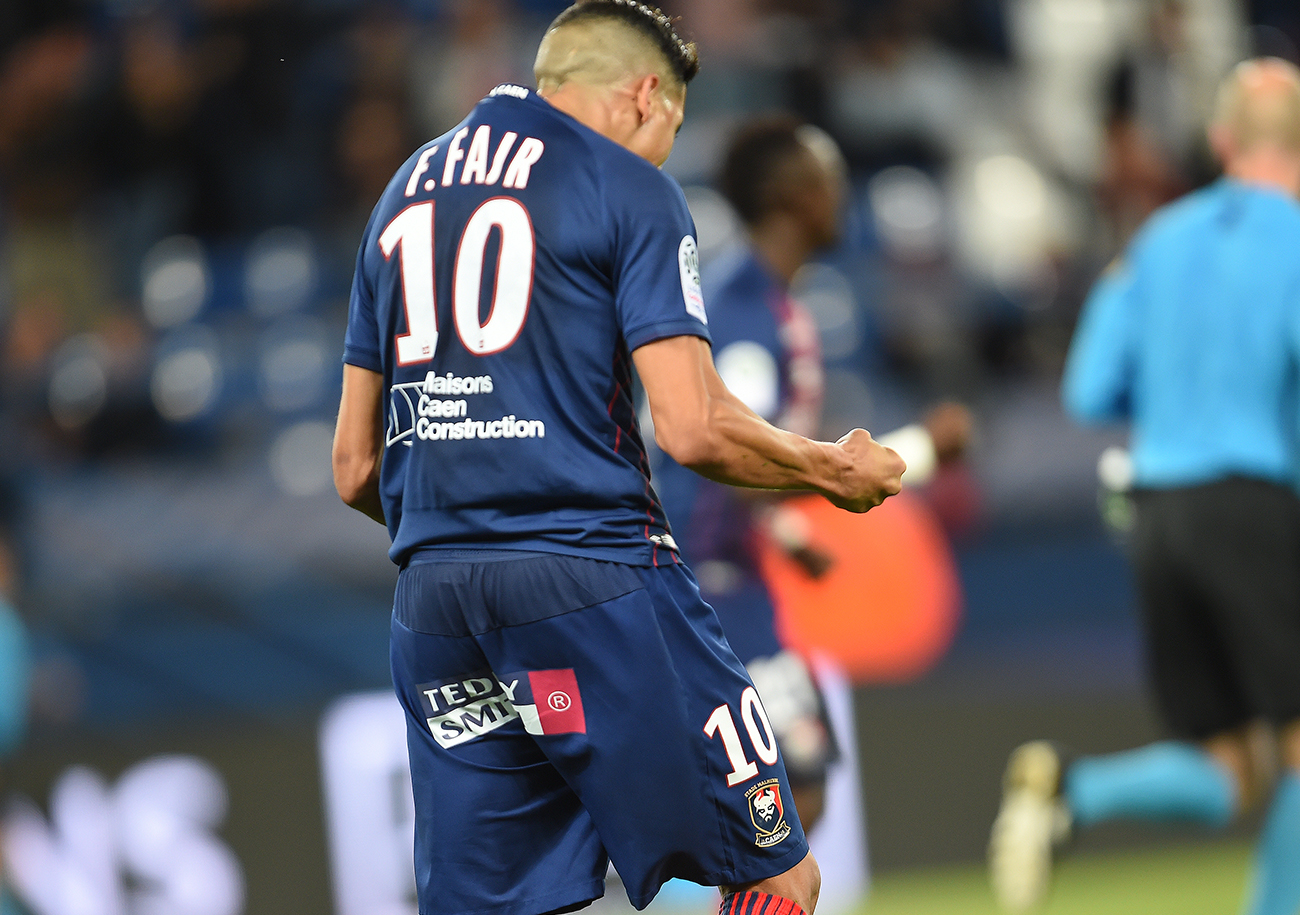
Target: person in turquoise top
{"type": "Point", "coordinates": [15, 665]}
{"type": "Point", "coordinates": [1193, 338]}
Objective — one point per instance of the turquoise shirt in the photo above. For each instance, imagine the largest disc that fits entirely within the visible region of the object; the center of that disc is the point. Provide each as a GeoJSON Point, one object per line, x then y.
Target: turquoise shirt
{"type": "Point", "coordinates": [15, 672]}
{"type": "Point", "coordinates": [1194, 337]}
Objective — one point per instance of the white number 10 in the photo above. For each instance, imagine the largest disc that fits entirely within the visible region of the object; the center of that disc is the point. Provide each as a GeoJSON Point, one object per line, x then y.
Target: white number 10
{"type": "Point", "coordinates": [759, 728]}
{"type": "Point", "coordinates": [412, 231]}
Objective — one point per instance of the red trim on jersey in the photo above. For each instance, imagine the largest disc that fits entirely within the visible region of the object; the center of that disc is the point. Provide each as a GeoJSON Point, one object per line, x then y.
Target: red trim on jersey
{"type": "Point", "coordinates": [609, 408]}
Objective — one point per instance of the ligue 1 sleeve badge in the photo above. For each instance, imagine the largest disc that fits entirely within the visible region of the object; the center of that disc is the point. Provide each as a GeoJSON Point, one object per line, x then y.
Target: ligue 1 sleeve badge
{"type": "Point", "coordinates": [767, 811]}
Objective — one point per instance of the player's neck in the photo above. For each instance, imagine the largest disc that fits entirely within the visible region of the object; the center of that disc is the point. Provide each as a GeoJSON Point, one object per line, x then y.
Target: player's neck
{"type": "Point", "coordinates": [593, 107]}
{"type": "Point", "coordinates": [1267, 166]}
{"type": "Point", "coordinates": [782, 245]}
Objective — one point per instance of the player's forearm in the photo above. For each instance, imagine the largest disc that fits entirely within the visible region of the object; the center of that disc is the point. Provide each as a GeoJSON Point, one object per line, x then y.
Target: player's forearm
{"type": "Point", "coordinates": [702, 425]}
{"type": "Point", "coordinates": [358, 449]}
{"type": "Point", "coordinates": [738, 448]}
{"type": "Point", "coordinates": [1095, 385]}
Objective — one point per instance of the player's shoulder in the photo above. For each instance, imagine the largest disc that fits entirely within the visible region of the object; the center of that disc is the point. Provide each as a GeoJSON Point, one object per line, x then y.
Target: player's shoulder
{"type": "Point", "coordinates": [623, 173]}
{"type": "Point", "coordinates": [1221, 207]}
{"type": "Point", "coordinates": [1170, 225]}
{"type": "Point", "coordinates": [1183, 213]}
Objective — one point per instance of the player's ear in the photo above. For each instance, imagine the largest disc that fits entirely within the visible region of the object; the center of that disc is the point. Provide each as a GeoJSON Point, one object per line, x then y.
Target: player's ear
{"type": "Point", "coordinates": [645, 89]}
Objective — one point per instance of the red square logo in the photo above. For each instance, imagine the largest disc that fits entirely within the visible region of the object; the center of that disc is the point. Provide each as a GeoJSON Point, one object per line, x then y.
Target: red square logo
{"type": "Point", "coordinates": [559, 704]}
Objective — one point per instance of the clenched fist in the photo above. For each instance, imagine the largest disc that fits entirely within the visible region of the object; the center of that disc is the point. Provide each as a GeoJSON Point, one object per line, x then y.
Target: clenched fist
{"type": "Point", "coordinates": [873, 474]}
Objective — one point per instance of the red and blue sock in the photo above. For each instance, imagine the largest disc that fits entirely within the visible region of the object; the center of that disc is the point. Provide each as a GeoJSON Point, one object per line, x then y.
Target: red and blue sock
{"type": "Point", "coordinates": [752, 902]}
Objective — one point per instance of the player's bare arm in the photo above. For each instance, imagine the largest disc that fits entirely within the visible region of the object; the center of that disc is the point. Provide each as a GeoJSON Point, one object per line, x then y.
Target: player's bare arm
{"type": "Point", "coordinates": [705, 427]}
{"type": "Point", "coordinates": [359, 441]}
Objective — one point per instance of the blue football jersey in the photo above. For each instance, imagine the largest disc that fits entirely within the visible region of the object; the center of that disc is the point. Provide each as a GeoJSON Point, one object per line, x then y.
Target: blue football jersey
{"type": "Point", "coordinates": [507, 273]}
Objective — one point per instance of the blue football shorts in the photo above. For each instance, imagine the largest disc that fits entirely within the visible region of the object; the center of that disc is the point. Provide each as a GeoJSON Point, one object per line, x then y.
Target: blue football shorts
{"type": "Point", "coordinates": [565, 712]}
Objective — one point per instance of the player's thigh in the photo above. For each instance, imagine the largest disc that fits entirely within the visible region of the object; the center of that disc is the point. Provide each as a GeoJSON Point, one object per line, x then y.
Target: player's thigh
{"type": "Point", "coordinates": [1251, 569]}
{"type": "Point", "coordinates": [643, 706]}
{"type": "Point", "coordinates": [1196, 687]}
{"type": "Point", "coordinates": [497, 826]}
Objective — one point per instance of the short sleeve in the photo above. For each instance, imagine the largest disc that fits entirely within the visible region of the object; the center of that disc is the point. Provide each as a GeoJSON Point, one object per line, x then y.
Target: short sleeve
{"type": "Point", "coordinates": [656, 258]}
{"type": "Point", "coordinates": [361, 343]}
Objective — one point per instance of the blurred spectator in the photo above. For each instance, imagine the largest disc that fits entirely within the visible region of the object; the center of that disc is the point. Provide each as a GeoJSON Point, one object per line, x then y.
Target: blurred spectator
{"type": "Point", "coordinates": [477, 45]}
{"type": "Point", "coordinates": [14, 652]}
{"type": "Point", "coordinates": [1139, 173]}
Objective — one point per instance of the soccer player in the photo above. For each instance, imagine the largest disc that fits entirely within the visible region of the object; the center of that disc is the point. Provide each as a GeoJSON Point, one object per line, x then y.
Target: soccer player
{"type": "Point", "coordinates": [1194, 337]}
{"type": "Point", "coordinates": [786, 181]}
{"type": "Point", "coordinates": [570, 699]}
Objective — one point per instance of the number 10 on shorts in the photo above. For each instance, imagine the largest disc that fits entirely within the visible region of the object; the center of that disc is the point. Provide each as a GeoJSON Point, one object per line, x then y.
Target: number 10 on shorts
{"type": "Point", "coordinates": [722, 724]}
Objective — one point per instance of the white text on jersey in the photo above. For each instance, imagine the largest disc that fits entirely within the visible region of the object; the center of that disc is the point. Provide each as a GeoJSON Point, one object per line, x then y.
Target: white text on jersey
{"type": "Point", "coordinates": [479, 164]}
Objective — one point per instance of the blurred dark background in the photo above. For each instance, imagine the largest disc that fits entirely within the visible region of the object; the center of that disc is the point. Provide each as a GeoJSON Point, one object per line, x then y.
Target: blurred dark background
{"type": "Point", "coordinates": [182, 187]}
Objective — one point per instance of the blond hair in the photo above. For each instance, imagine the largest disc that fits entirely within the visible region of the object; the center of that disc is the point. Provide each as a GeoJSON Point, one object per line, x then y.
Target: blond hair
{"type": "Point", "coordinates": [608, 42]}
{"type": "Point", "coordinates": [1259, 105]}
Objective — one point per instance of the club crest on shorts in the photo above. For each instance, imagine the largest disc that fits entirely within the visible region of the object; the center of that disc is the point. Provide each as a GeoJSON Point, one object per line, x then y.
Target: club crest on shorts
{"type": "Point", "coordinates": [767, 811]}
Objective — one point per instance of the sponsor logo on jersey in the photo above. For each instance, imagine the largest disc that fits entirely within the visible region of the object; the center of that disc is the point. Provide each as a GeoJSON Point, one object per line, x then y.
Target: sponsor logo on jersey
{"type": "Point", "coordinates": [767, 811]}
{"type": "Point", "coordinates": [688, 262]}
{"type": "Point", "coordinates": [417, 410]}
{"type": "Point", "coordinates": [548, 701]}
{"type": "Point", "coordinates": [467, 707]}
{"type": "Point", "coordinates": [454, 384]}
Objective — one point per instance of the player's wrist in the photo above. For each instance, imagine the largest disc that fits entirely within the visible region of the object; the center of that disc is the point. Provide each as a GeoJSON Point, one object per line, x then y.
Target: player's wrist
{"type": "Point", "coordinates": [835, 478]}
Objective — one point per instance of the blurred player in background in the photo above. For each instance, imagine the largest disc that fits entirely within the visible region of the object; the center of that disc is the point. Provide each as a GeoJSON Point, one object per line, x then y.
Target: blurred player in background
{"type": "Point", "coordinates": [1195, 339]}
{"type": "Point", "coordinates": [570, 699]}
{"type": "Point", "coordinates": [15, 662]}
{"type": "Point", "coordinates": [787, 182]}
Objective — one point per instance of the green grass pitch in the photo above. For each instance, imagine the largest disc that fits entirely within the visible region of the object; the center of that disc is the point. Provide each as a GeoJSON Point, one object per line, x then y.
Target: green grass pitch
{"type": "Point", "coordinates": [1185, 880]}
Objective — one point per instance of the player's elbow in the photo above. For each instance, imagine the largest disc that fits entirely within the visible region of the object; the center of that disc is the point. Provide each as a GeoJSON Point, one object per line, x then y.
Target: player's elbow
{"type": "Point", "coordinates": [355, 477]}
{"type": "Point", "coordinates": [352, 492]}
{"type": "Point", "coordinates": [692, 445]}
{"type": "Point", "coordinates": [1091, 406]}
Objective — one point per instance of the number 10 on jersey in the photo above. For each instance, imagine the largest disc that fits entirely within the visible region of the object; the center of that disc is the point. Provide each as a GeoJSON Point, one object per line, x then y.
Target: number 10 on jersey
{"type": "Point", "coordinates": [722, 724]}
{"type": "Point", "coordinates": [411, 233]}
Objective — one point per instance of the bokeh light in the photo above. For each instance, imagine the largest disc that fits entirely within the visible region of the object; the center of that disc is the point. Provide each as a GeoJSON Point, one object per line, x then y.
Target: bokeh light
{"type": "Point", "coordinates": [293, 364]}
{"type": "Point", "coordinates": [300, 458]}
{"type": "Point", "coordinates": [79, 382]}
{"type": "Point", "coordinates": [176, 281]}
{"type": "Point", "coordinates": [187, 377]}
{"type": "Point", "coordinates": [280, 271]}
{"type": "Point", "coordinates": [828, 296]}
{"type": "Point", "coordinates": [908, 210]}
